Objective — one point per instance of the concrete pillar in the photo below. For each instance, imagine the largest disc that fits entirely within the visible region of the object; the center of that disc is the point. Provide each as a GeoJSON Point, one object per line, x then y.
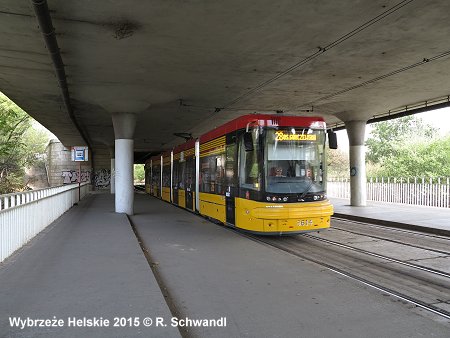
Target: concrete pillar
{"type": "Point", "coordinates": [356, 131]}
{"type": "Point", "coordinates": [113, 175]}
{"type": "Point", "coordinates": [124, 124]}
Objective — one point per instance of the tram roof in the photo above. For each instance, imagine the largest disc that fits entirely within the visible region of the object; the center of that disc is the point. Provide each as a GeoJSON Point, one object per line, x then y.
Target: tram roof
{"type": "Point", "coordinates": [185, 146]}
{"type": "Point", "coordinates": [262, 120]}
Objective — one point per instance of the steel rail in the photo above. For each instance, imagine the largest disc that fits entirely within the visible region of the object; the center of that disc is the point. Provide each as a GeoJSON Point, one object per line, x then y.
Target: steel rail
{"type": "Point", "coordinates": [417, 302]}
{"type": "Point", "coordinates": [391, 240]}
{"type": "Point", "coordinates": [414, 232]}
{"type": "Point", "coordinates": [348, 247]}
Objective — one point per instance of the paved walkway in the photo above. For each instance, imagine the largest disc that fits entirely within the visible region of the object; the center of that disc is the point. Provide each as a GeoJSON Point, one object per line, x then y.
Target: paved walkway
{"type": "Point", "coordinates": [86, 264]}
{"type": "Point", "coordinates": [89, 264]}
{"type": "Point", "coordinates": [428, 219]}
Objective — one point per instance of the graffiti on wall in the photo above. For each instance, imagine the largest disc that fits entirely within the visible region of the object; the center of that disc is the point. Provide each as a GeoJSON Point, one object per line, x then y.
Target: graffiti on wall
{"type": "Point", "coordinates": [71, 176]}
{"type": "Point", "coordinates": [102, 178]}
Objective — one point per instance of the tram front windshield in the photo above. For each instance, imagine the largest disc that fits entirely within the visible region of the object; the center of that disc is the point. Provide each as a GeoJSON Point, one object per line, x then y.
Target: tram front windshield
{"type": "Point", "coordinates": [294, 160]}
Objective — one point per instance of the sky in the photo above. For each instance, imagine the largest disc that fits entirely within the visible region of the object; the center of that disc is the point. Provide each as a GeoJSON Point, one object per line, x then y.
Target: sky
{"type": "Point", "coordinates": [439, 118]}
{"type": "Point", "coordinates": [38, 126]}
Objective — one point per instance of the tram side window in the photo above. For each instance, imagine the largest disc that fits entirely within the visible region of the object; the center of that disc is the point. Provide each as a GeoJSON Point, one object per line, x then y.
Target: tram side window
{"type": "Point", "coordinates": [166, 176]}
{"type": "Point", "coordinates": [212, 172]}
{"type": "Point", "coordinates": [181, 174]}
{"type": "Point", "coordinates": [156, 175]}
{"type": "Point", "coordinates": [249, 171]}
{"type": "Point", "coordinates": [176, 174]}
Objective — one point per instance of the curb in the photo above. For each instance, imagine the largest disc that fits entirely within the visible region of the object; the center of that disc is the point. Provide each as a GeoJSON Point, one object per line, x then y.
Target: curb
{"type": "Point", "coordinates": [393, 224]}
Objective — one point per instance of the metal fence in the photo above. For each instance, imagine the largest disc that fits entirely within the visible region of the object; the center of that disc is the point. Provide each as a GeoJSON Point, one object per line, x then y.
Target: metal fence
{"type": "Point", "coordinates": [434, 192]}
{"type": "Point", "coordinates": [23, 215]}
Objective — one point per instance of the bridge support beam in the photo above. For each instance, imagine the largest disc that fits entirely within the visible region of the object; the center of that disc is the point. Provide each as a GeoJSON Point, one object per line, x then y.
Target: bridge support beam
{"type": "Point", "coordinates": [124, 125]}
{"type": "Point", "coordinates": [356, 132]}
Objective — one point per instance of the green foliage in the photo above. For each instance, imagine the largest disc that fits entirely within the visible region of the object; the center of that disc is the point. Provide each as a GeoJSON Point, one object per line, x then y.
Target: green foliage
{"type": "Point", "coordinates": [387, 136]}
{"type": "Point", "coordinates": [417, 159]}
{"type": "Point", "coordinates": [407, 147]}
{"type": "Point", "coordinates": [20, 145]}
{"type": "Point", "coordinates": [139, 173]}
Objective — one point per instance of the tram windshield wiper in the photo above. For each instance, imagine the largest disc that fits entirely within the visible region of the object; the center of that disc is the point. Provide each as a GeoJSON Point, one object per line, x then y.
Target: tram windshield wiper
{"type": "Point", "coordinates": [307, 190]}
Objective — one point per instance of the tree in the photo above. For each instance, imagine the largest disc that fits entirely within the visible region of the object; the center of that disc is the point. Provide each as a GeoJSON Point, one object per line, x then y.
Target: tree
{"type": "Point", "coordinates": [407, 147]}
{"type": "Point", "coordinates": [20, 145]}
{"type": "Point", "coordinates": [429, 158]}
{"type": "Point", "coordinates": [338, 164]}
{"type": "Point", "coordinates": [386, 136]}
{"type": "Point", "coordinates": [139, 173]}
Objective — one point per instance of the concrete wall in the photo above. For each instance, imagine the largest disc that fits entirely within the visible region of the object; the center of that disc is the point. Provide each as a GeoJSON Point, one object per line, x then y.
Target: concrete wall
{"type": "Point", "coordinates": [102, 168]}
{"type": "Point", "coordinates": [62, 170]}
{"type": "Point", "coordinates": [60, 167]}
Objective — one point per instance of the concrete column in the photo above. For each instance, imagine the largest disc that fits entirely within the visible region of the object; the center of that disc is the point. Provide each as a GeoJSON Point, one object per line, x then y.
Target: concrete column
{"type": "Point", "coordinates": [124, 124]}
{"type": "Point", "coordinates": [356, 131]}
{"type": "Point", "coordinates": [113, 175]}
{"type": "Point", "coordinates": [124, 176]}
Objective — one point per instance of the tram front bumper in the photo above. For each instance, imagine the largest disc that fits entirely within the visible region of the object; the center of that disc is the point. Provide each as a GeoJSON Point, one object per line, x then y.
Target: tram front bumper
{"type": "Point", "coordinates": [283, 217]}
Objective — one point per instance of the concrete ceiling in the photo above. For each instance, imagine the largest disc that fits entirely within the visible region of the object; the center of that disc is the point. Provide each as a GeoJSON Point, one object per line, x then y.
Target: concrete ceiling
{"type": "Point", "coordinates": [174, 62]}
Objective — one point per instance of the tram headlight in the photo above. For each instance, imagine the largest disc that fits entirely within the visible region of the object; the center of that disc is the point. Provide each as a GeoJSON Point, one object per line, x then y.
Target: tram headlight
{"type": "Point", "coordinates": [319, 197]}
{"type": "Point", "coordinates": [277, 199]}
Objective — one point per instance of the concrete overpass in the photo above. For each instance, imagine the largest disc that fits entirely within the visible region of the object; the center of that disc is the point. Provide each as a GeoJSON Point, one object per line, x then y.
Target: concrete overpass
{"type": "Point", "coordinates": [164, 67]}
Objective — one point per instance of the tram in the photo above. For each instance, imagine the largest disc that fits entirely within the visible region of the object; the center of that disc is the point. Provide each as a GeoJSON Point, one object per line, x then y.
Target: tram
{"type": "Point", "coordinates": [260, 173]}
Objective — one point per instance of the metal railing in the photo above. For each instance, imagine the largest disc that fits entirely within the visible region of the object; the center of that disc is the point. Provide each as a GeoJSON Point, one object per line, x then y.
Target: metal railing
{"type": "Point", "coordinates": [23, 215]}
{"type": "Point", "coordinates": [434, 192]}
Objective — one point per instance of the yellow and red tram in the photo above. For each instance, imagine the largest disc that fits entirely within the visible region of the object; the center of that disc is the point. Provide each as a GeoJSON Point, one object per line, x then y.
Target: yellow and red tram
{"type": "Point", "coordinates": [153, 176]}
{"type": "Point", "coordinates": [261, 173]}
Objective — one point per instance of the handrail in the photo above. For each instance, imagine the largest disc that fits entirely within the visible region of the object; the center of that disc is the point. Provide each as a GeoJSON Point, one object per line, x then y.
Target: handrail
{"type": "Point", "coordinates": [8, 201]}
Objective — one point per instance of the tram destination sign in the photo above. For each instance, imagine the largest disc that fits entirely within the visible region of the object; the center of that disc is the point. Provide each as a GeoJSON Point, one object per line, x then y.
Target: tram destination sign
{"type": "Point", "coordinates": [281, 136]}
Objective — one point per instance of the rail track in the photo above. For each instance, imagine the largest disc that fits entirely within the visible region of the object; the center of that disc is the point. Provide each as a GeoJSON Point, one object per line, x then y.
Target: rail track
{"type": "Point", "coordinates": [436, 243]}
{"type": "Point", "coordinates": [428, 288]}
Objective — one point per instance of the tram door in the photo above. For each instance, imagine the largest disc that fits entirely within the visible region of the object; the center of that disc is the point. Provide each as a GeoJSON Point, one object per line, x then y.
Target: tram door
{"type": "Point", "coordinates": [230, 182]}
{"type": "Point", "coordinates": [190, 183]}
{"type": "Point", "coordinates": [175, 195]}
{"type": "Point", "coordinates": [177, 167]}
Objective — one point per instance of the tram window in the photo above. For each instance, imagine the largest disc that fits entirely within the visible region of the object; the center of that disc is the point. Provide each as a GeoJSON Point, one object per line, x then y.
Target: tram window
{"type": "Point", "coordinates": [178, 174]}
{"type": "Point", "coordinates": [156, 175]}
{"type": "Point", "coordinates": [176, 165]}
{"type": "Point", "coordinates": [181, 174]}
{"type": "Point", "coordinates": [166, 176]}
{"type": "Point", "coordinates": [212, 174]}
{"type": "Point", "coordinates": [250, 173]}
{"type": "Point", "coordinates": [230, 163]}
{"type": "Point", "coordinates": [294, 166]}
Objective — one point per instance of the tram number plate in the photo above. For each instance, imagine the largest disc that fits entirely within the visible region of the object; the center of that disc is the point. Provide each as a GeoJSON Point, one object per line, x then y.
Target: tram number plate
{"type": "Point", "coordinates": [304, 222]}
